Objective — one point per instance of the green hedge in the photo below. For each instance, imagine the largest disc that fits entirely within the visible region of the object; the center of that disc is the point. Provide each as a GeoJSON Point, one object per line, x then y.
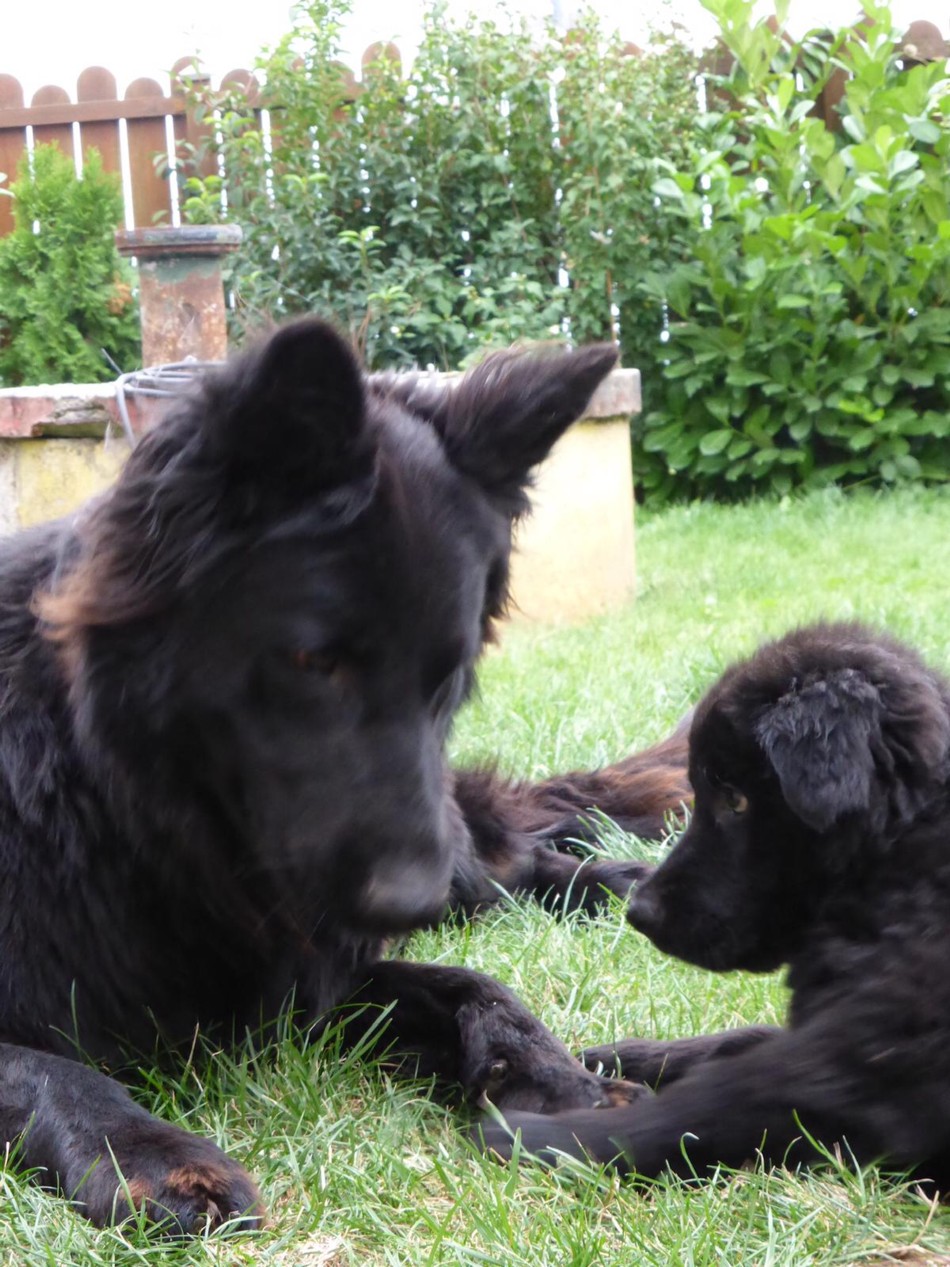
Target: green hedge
{"type": "Point", "coordinates": [809, 336]}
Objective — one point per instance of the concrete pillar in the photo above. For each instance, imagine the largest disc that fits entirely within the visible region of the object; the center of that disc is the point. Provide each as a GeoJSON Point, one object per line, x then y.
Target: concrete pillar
{"type": "Point", "coordinates": [181, 292]}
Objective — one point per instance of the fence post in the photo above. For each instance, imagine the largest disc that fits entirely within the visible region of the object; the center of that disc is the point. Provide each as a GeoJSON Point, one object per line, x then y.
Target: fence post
{"type": "Point", "coordinates": [181, 291]}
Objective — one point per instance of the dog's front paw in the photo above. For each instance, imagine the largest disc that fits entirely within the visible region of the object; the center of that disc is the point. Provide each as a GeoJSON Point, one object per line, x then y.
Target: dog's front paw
{"type": "Point", "coordinates": [554, 1089]}
{"type": "Point", "coordinates": [182, 1182]}
{"type": "Point", "coordinates": [596, 880]}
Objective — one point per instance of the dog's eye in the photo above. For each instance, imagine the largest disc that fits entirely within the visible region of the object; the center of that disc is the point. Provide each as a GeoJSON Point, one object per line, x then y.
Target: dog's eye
{"type": "Point", "coordinates": [310, 660]}
{"type": "Point", "coordinates": [738, 804]}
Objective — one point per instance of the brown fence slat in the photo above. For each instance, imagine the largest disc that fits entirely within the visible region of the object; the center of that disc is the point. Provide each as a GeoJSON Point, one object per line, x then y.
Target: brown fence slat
{"type": "Point", "coordinates": [923, 43]}
{"type": "Point", "coordinates": [151, 200]}
{"type": "Point", "coordinates": [246, 81]}
{"type": "Point", "coordinates": [382, 50]}
{"type": "Point", "coordinates": [187, 78]}
{"type": "Point", "coordinates": [98, 84]}
{"type": "Point", "coordinates": [60, 134]}
{"type": "Point", "coordinates": [69, 112]}
{"type": "Point", "coordinates": [12, 145]}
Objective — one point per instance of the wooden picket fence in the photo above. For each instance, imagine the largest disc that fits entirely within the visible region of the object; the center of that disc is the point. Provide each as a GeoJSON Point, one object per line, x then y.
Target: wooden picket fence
{"type": "Point", "coordinates": [148, 121]}
{"type": "Point", "coordinates": [131, 131]}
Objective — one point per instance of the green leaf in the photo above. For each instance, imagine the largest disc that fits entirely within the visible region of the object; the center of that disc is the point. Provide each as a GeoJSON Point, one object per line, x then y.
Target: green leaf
{"type": "Point", "coordinates": [902, 161]}
{"type": "Point", "coordinates": [793, 301]}
{"type": "Point", "coordinates": [924, 130]}
{"type": "Point", "coordinates": [715, 441]}
{"type": "Point", "coordinates": [719, 406]}
{"type": "Point", "coordinates": [667, 188]}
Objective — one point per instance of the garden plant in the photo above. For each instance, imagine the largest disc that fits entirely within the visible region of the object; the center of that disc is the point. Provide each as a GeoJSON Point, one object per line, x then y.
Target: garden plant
{"type": "Point", "coordinates": [66, 305]}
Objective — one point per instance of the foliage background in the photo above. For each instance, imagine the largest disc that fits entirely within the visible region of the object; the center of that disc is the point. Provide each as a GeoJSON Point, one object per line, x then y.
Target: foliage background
{"type": "Point", "coordinates": [781, 284]}
{"type": "Point", "coordinates": [65, 293]}
{"type": "Point", "coordinates": [809, 336]}
{"type": "Point", "coordinates": [500, 190]}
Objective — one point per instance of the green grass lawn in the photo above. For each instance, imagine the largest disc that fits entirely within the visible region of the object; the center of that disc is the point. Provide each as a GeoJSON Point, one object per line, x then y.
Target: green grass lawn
{"type": "Point", "coordinates": [358, 1170]}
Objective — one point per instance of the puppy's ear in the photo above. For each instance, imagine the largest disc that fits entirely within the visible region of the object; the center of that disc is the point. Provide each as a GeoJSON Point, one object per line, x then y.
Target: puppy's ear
{"type": "Point", "coordinates": [821, 740]}
{"type": "Point", "coordinates": [291, 416]}
{"type": "Point", "coordinates": [505, 415]}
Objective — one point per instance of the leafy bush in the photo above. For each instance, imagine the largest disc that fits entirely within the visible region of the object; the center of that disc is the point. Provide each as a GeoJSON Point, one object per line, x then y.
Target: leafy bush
{"type": "Point", "coordinates": [619, 114]}
{"type": "Point", "coordinates": [809, 337]}
{"type": "Point", "coordinates": [440, 212]}
{"type": "Point", "coordinates": [64, 291]}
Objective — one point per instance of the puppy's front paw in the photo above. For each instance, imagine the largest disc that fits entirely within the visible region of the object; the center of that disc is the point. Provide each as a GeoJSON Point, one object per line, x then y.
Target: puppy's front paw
{"type": "Point", "coordinates": [546, 1139]}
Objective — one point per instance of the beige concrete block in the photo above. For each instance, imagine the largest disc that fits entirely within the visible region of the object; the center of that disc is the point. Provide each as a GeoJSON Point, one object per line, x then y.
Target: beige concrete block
{"type": "Point", "coordinates": [54, 477]}
{"type": "Point", "coordinates": [8, 507]}
{"type": "Point", "coordinates": [575, 554]}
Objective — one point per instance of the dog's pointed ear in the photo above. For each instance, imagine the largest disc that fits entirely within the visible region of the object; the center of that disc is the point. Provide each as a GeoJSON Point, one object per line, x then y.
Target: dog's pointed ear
{"type": "Point", "coordinates": [294, 419]}
{"type": "Point", "coordinates": [505, 415]}
{"type": "Point", "coordinates": [821, 739]}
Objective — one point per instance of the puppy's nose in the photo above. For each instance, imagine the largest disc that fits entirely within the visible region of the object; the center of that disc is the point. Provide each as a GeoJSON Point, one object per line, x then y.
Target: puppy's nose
{"type": "Point", "coordinates": [645, 911]}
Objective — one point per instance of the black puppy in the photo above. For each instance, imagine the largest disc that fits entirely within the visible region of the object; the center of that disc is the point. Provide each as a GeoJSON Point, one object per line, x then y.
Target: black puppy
{"type": "Point", "coordinates": [820, 839]}
{"type": "Point", "coordinates": [225, 690]}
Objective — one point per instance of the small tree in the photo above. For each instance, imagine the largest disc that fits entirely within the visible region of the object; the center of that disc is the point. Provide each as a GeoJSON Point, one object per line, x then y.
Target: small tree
{"type": "Point", "coordinates": [65, 294]}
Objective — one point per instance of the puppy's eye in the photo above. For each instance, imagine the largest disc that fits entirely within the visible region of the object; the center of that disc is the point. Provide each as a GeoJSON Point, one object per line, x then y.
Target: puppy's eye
{"type": "Point", "coordinates": [738, 804]}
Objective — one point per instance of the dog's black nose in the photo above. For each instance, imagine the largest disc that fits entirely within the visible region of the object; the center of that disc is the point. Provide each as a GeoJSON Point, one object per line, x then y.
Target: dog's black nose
{"type": "Point", "coordinates": [398, 898]}
{"type": "Point", "coordinates": [645, 911]}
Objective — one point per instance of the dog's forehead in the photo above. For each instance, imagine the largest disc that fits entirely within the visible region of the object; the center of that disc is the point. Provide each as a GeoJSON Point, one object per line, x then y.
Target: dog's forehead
{"type": "Point", "coordinates": [414, 561]}
{"type": "Point", "coordinates": [426, 492]}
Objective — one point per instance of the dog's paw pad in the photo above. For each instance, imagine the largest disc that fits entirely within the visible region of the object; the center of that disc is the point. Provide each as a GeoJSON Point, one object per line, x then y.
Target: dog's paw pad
{"type": "Point", "coordinates": [617, 1091]}
{"type": "Point", "coordinates": [197, 1197]}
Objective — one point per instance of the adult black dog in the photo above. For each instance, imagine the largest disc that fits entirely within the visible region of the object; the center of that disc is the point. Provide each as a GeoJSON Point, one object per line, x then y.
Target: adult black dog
{"type": "Point", "coordinates": [820, 839]}
{"type": "Point", "coordinates": [226, 690]}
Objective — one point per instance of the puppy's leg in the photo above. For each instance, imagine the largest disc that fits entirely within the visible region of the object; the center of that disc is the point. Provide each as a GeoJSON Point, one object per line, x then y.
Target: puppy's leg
{"type": "Point", "coordinates": [659, 1063]}
{"type": "Point", "coordinates": [780, 1099]}
{"type": "Point", "coordinates": [466, 1029]}
{"type": "Point", "coordinates": [86, 1137]}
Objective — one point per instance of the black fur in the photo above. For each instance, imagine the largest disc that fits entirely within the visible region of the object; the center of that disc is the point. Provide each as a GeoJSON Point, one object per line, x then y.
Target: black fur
{"type": "Point", "coordinates": [820, 839]}
{"type": "Point", "coordinates": [225, 690]}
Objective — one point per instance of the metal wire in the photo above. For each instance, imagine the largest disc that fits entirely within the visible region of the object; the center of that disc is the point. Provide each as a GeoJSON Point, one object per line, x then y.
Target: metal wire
{"type": "Point", "coordinates": [156, 381]}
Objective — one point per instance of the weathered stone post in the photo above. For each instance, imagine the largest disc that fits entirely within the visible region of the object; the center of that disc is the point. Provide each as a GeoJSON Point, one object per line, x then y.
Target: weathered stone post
{"type": "Point", "coordinates": [181, 292]}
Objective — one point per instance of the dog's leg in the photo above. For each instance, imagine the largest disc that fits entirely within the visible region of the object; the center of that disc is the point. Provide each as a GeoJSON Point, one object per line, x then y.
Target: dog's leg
{"type": "Point", "coordinates": [638, 793]}
{"type": "Point", "coordinates": [561, 882]}
{"type": "Point", "coordinates": [660, 1063]}
{"type": "Point", "coordinates": [85, 1136]}
{"type": "Point", "coordinates": [467, 1030]}
{"type": "Point", "coordinates": [507, 858]}
{"type": "Point", "coordinates": [525, 835]}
